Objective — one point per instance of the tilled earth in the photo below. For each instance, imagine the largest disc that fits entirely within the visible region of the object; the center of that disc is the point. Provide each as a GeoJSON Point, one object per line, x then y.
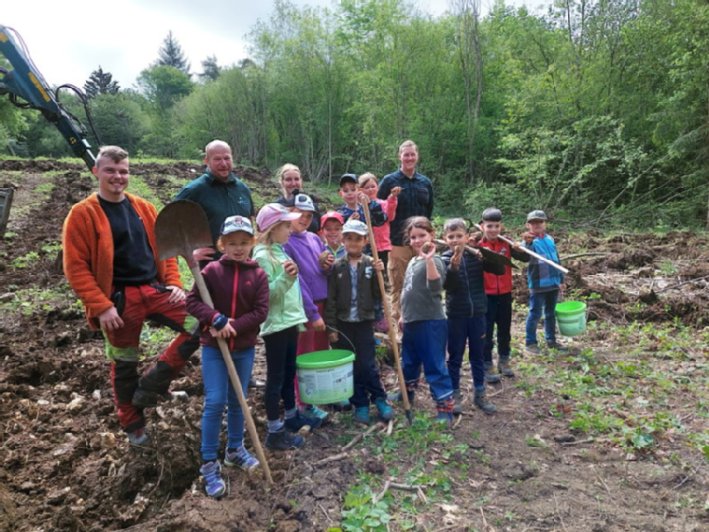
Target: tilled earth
{"type": "Point", "coordinates": [65, 465]}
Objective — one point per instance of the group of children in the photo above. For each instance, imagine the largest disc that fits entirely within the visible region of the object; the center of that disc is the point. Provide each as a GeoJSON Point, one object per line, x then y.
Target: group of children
{"type": "Point", "coordinates": [304, 293]}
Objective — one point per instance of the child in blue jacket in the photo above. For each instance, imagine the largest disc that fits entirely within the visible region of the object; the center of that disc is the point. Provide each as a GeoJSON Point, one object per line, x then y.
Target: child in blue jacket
{"type": "Point", "coordinates": [544, 281]}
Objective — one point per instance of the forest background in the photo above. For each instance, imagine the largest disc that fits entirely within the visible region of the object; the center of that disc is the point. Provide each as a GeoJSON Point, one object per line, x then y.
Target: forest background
{"type": "Point", "coordinates": [596, 110]}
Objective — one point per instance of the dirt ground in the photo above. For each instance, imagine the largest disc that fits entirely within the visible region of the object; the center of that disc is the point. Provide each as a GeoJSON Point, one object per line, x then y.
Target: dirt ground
{"type": "Point", "coordinates": [65, 465]}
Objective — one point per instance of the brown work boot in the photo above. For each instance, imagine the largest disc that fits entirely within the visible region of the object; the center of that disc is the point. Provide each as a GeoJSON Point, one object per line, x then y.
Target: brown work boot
{"type": "Point", "coordinates": [504, 367]}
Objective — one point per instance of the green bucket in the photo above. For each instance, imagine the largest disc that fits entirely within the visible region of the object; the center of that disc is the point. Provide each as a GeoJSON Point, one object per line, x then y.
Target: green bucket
{"type": "Point", "coordinates": [325, 377]}
{"type": "Point", "coordinates": [571, 317]}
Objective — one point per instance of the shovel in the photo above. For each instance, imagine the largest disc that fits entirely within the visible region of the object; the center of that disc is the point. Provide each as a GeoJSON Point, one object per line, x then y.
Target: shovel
{"type": "Point", "coordinates": [484, 253]}
{"type": "Point", "coordinates": [387, 312]}
{"type": "Point", "coordinates": [182, 227]}
{"type": "Point", "coordinates": [530, 253]}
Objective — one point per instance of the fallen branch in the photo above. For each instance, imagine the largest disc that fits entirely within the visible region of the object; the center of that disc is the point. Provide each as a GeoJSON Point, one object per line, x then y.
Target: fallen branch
{"type": "Point", "coordinates": [379, 496]}
{"type": "Point", "coordinates": [390, 427]}
{"type": "Point", "coordinates": [677, 285]}
{"type": "Point", "coordinates": [333, 458]}
{"type": "Point", "coordinates": [579, 442]}
{"type": "Point", "coordinates": [457, 421]}
{"type": "Point", "coordinates": [588, 254]}
{"type": "Point", "coordinates": [361, 436]}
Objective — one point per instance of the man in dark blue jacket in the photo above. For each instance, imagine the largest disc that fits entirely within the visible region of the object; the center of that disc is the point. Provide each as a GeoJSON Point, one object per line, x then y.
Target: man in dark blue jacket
{"type": "Point", "coordinates": [415, 199]}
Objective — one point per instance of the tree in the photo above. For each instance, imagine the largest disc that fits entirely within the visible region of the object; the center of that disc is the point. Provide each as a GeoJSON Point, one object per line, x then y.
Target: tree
{"type": "Point", "coordinates": [100, 82]}
{"type": "Point", "coordinates": [164, 85]}
{"type": "Point", "coordinates": [171, 54]}
{"type": "Point", "coordinates": [120, 120]}
{"type": "Point", "coordinates": [210, 69]}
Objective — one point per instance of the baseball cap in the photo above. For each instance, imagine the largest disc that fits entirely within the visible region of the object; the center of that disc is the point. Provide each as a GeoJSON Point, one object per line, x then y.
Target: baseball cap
{"type": "Point", "coordinates": [331, 215]}
{"type": "Point", "coordinates": [355, 226]}
{"type": "Point", "coordinates": [236, 223]}
{"type": "Point", "coordinates": [273, 213]}
{"type": "Point", "coordinates": [492, 214]}
{"type": "Point", "coordinates": [348, 178]}
{"type": "Point", "coordinates": [302, 202]}
{"type": "Point", "coordinates": [536, 215]}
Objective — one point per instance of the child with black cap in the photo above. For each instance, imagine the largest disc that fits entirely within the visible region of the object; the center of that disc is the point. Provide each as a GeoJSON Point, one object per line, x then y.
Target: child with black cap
{"type": "Point", "coordinates": [498, 289]}
{"type": "Point", "coordinates": [544, 282]}
{"type": "Point", "coordinates": [353, 198]}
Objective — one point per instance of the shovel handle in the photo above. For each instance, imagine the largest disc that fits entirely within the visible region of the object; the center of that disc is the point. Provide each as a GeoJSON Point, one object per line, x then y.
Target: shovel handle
{"type": "Point", "coordinates": [387, 312]}
{"type": "Point", "coordinates": [234, 377]}
{"type": "Point", "coordinates": [530, 252]}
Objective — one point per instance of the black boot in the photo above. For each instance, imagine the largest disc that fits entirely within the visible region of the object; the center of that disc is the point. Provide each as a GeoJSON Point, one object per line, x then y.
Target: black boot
{"type": "Point", "coordinates": [483, 404]}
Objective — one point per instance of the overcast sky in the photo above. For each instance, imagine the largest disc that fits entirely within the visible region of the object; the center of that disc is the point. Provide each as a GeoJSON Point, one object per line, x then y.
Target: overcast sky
{"type": "Point", "coordinates": [69, 40]}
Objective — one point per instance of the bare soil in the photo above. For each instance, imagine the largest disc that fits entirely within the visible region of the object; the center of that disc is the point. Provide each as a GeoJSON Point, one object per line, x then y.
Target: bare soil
{"type": "Point", "coordinates": [65, 465]}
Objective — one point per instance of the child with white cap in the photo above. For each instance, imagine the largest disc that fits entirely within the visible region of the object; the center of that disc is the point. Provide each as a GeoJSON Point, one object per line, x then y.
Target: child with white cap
{"type": "Point", "coordinates": [353, 293]}
{"type": "Point", "coordinates": [239, 290]}
{"type": "Point", "coordinates": [314, 262]}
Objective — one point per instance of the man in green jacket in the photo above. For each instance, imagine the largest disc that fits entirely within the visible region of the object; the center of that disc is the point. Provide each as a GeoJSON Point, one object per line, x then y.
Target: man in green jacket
{"type": "Point", "coordinates": [219, 192]}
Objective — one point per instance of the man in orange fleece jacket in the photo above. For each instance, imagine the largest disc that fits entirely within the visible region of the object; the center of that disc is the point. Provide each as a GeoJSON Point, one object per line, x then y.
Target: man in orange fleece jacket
{"type": "Point", "coordinates": [110, 260]}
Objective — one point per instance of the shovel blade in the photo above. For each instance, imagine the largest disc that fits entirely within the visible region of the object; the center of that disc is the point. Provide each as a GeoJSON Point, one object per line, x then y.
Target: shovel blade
{"type": "Point", "coordinates": [182, 227]}
{"type": "Point", "coordinates": [490, 256]}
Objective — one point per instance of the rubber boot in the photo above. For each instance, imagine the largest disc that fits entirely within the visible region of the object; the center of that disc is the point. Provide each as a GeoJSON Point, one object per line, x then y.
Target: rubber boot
{"type": "Point", "coordinates": [458, 405]}
{"type": "Point", "coordinates": [483, 404]}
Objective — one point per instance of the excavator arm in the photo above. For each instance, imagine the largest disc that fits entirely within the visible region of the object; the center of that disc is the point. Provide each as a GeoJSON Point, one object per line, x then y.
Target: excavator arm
{"type": "Point", "coordinates": [27, 88]}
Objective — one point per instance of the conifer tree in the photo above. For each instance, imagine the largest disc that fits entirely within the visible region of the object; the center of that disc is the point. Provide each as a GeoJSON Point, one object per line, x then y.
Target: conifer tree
{"type": "Point", "coordinates": [171, 54]}
{"type": "Point", "coordinates": [100, 82]}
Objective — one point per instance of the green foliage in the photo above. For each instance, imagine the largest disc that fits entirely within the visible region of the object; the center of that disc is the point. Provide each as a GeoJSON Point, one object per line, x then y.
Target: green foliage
{"type": "Point", "coordinates": [120, 119]}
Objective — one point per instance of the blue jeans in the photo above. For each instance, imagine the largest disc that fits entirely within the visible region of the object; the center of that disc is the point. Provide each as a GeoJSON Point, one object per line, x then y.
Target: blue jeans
{"type": "Point", "coordinates": [538, 303]}
{"type": "Point", "coordinates": [424, 343]}
{"type": "Point", "coordinates": [219, 392]}
{"type": "Point", "coordinates": [499, 312]}
{"type": "Point", "coordinates": [471, 331]}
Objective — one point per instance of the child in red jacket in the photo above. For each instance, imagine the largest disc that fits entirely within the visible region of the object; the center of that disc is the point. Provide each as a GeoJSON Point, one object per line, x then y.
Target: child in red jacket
{"type": "Point", "coordinates": [239, 289]}
{"type": "Point", "coordinates": [499, 297]}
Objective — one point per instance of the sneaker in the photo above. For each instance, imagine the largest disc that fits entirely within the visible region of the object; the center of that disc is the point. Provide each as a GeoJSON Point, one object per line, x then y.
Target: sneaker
{"type": "Point", "coordinates": [299, 421]}
{"type": "Point", "coordinates": [256, 383]}
{"type": "Point", "coordinates": [312, 411]}
{"type": "Point", "coordinates": [491, 375]}
{"type": "Point", "coordinates": [533, 349]}
{"type": "Point", "coordinates": [504, 367]}
{"type": "Point", "coordinates": [458, 403]}
{"type": "Point", "coordinates": [395, 397]}
{"type": "Point", "coordinates": [361, 414]}
{"type": "Point", "coordinates": [483, 404]}
{"type": "Point", "coordinates": [444, 411]}
{"type": "Point", "coordinates": [214, 484]}
{"type": "Point", "coordinates": [557, 346]}
{"type": "Point", "coordinates": [139, 438]}
{"type": "Point", "coordinates": [240, 458]}
{"type": "Point", "coordinates": [283, 441]}
{"type": "Point", "coordinates": [342, 406]}
{"type": "Point", "coordinates": [386, 412]}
